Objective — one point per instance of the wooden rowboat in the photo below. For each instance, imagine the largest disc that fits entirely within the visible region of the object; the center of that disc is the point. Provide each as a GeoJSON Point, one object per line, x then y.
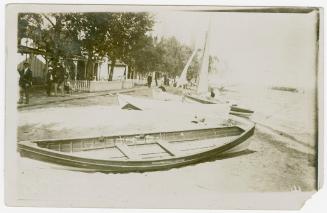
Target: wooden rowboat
{"type": "Point", "coordinates": [141, 152]}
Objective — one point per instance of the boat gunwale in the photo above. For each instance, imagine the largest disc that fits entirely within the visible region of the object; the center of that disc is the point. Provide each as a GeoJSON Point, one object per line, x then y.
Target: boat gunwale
{"type": "Point", "coordinates": [126, 160]}
{"type": "Point", "coordinates": [128, 134]}
{"type": "Point", "coordinates": [86, 164]}
{"type": "Point", "coordinates": [62, 154]}
{"type": "Point", "coordinates": [234, 109]}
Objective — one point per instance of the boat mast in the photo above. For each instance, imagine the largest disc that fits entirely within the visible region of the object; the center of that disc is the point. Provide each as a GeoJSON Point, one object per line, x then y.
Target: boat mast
{"type": "Point", "coordinates": [204, 69]}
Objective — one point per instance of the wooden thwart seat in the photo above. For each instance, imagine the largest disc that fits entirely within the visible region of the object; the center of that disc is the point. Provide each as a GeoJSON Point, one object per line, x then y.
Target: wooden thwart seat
{"type": "Point", "coordinates": [127, 151]}
{"type": "Point", "coordinates": [169, 148]}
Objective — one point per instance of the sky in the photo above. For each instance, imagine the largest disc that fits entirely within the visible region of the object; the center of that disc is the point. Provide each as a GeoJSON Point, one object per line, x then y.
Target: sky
{"type": "Point", "coordinates": [253, 48]}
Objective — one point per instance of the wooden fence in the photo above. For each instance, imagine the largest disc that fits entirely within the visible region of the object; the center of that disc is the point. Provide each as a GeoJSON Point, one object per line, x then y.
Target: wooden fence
{"type": "Point", "coordinates": [96, 86]}
{"type": "Point", "coordinates": [80, 85]}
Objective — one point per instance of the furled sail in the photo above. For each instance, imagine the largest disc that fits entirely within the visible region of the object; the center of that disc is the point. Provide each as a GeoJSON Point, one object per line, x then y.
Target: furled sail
{"type": "Point", "coordinates": [182, 79]}
{"type": "Point", "coordinates": [204, 69]}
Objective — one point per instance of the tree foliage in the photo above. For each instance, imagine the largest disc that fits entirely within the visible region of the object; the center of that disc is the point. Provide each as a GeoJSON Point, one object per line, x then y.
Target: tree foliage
{"type": "Point", "coordinates": [175, 56]}
{"type": "Point", "coordinates": [126, 34]}
{"type": "Point", "coordinates": [118, 36]}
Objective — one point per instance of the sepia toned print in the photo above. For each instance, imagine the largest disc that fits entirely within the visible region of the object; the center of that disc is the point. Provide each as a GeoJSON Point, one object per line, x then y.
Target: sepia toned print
{"type": "Point", "coordinates": [121, 104]}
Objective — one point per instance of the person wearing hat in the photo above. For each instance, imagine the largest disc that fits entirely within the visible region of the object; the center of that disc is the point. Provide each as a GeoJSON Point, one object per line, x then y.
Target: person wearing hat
{"type": "Point", "coordinates": [25, 82]}
{"type": "Point", "coordinates": [49, 81]}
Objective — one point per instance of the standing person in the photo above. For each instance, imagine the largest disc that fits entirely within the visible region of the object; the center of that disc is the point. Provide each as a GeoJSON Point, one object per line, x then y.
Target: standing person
{"type": "Point", "coordinates": [67, 86]}
{"type": "Point", "coordinates": [149, 80]}
{"type": "Point", "coordinates": [49, 81]}
{"type": "Point", "coordinates": [166, 80]}
{"type": "Point", "coordinates": [61, 79]}
{"type": "Point", "coordinates": [55, 74]}
{"type": "Point", "coordinates": [156, 75]}
{"type": "Point", "coordinates": [25, 82]}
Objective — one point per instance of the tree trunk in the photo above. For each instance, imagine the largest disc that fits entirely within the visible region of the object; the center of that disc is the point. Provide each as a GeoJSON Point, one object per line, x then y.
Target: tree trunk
{"type": "Point", "coordinates": [57, 41]}
{"type": "Point", "coordinates": [132, 74]}
{"type": "Point", "coordinates": [111, 71]}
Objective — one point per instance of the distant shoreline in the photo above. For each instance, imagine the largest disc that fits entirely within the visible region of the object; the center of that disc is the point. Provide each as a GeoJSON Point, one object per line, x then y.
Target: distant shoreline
{"type": "Point", "coordinates": [287, 89]}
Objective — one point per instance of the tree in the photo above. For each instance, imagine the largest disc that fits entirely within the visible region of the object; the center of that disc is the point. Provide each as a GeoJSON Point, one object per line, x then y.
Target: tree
{"type": "Point", "coordinates": [194, 67]}
{"type": "Point", "coordinates": [174, 56]}
{"type": "Point", "coordinates": [49, 33]}
{"type": "Point", "coordinates": [91, 30]}
{"type": "Point", "coordinates": [92, 35]}
{"type": "Point", "coordinates": [125, 34]}
{"type": "Point", "coordinates": [119, 36]}
{"type": "Point", "coordinates": [28, 25]}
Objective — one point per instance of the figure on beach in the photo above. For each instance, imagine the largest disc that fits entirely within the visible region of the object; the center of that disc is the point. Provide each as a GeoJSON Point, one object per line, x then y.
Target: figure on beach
{"type": "Point", "coordinates": [61, 79]}
{"type": "Point", "coordinates": [149, 80]}
{"type": "Point", "coordinates": [49, 81]}
{"type": "Point", "coordinates": [156, 76]}
{"type": "Point", "coordinates": [212, 93]}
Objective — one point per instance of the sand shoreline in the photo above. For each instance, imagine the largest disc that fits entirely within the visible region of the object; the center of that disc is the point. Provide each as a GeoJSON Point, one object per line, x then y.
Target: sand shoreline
{"type": "Point", "coordinates": [272, 165]}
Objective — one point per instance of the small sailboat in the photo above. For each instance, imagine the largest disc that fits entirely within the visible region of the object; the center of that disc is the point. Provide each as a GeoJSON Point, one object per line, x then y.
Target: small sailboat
{"type": "Point", "coordinates": [203, 95]}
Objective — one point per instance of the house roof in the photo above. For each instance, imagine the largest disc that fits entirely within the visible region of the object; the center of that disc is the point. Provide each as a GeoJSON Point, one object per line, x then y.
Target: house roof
{"type": "Point", "coordinates": [30, 50]}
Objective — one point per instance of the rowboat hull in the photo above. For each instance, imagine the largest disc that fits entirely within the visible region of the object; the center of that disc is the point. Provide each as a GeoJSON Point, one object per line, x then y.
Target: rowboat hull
{"type": "Point", "coordinates": [70, 152]}
{"type": "Point", "coordinates": [191, 109]}
{"type": "Point", "coordinates": [234, 110]}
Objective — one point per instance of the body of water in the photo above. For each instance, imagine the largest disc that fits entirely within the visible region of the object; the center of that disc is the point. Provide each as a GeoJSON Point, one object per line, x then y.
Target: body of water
{"type": "Point", "coordinates": [293, 113]}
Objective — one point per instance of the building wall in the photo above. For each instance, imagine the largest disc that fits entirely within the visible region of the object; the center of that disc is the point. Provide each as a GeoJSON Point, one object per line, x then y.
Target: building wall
{"type": "Point", "coordinates": [103, 72]}
{"type": "Point", "coordinates": [118, 73]}
{"type": "Point", "coordinates": [37, 65]}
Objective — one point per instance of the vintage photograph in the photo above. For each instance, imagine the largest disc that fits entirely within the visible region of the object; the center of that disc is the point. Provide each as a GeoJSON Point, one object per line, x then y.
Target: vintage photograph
{"type": "Point", "coordinates": [162, 107]}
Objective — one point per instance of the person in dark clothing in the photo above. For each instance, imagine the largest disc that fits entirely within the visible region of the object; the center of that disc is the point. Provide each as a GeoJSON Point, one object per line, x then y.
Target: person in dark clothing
{"type": "Point", "coordinates": [61, 79]}
{"type": "Point", "coordinates": [166, 80]}
{"type": "Point", "coordinates": [49, 81]}
{"type": "Point", "coordinates": [55, 74]}
{"type": "Point", "coordinates": [163, 89]}
{"type": "Point", "coordinates": [156, 76]}
{"type": "Point", "coordinates": [212, 93]}
{"type": "Point", "coordinates": [67, 85]}
{"type": "Point", "coordinates": [149, 80]}
{"type": "Point", "coordinates": [25, 82]}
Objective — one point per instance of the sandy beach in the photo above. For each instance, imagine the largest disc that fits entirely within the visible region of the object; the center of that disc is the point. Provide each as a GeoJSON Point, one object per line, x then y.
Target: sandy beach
{"type": "Point", "coordinates": [273, 163]}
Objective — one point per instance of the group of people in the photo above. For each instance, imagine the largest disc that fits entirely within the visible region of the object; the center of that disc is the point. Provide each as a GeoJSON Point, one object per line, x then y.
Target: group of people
{"type": "Point", "coordinates": [57, 79]}
{"type": "Point", "coordinates": [164, 79]}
